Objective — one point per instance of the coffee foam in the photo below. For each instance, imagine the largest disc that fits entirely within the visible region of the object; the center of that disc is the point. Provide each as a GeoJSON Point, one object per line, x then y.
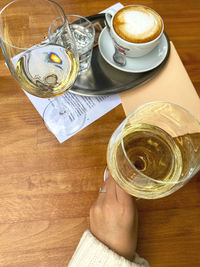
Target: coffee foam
{"type": "Point", "coordinates": [137, 24]}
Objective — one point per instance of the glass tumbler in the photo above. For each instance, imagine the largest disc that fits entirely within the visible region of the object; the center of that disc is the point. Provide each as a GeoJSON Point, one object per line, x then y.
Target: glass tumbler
{"type": "Point", "coordinates": [83, 32]}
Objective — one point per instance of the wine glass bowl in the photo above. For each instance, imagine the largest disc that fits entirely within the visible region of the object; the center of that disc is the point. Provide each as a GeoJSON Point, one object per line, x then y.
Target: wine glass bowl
{"type": "Point", "coordinates": [42, 65]}
{"type": "Point", "coordinates": [155, 150]}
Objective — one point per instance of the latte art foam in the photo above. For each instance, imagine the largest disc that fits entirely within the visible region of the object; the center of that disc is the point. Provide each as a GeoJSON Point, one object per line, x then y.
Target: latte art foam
{"type": "Point", "coordinates": [137, 24]}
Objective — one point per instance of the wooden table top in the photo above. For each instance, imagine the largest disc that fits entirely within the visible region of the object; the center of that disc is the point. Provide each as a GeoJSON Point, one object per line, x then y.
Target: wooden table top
{"type": "Point", "coordinates": [47, 188]}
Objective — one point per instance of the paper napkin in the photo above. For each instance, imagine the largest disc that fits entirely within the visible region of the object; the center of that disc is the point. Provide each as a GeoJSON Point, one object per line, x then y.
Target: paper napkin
{"type": "Point", "coordinates": [171, 84]}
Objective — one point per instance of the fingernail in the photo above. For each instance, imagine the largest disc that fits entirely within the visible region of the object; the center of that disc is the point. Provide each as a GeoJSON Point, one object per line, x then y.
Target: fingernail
{"type": "Point", "coordinates": [106, 174]}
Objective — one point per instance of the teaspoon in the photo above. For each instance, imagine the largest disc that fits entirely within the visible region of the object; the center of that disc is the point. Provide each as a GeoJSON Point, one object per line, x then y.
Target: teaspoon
{"type": "Point", "coordinates": [119, 58]}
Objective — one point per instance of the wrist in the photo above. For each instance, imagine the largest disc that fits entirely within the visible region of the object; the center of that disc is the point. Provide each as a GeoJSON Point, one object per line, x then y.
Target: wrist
{"type": "Point", "coordinates": [122, 246]}
{"type": "Point", "coordinates": [128, 252]}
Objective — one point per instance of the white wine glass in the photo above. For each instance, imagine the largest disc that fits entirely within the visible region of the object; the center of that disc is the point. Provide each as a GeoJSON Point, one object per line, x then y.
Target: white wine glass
{"type": "Point", "coordinates": [155, 150]}
{"type": "Point", "coordinates": [41, 54]}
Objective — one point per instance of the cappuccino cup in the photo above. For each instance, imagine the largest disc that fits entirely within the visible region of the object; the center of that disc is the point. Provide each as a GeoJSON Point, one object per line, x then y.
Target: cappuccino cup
{"type": "Point", "coordinates": [136, 30]}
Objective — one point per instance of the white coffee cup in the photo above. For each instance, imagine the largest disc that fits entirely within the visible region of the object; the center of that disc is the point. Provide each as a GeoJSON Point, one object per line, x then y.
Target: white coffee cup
{"type": "Point", "coordinates": [136, 30]}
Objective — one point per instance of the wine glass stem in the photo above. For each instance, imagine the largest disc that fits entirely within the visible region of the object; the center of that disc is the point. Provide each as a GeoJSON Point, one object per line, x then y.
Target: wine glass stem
{"type": "Point", "coordinates": [62, 109]}
{"type": "Point", "coordinates": [66, 111]}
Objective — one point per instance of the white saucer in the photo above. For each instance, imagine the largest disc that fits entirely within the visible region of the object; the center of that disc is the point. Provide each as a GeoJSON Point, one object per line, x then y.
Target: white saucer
{"type": "Point", "coordinates": [136, 64]}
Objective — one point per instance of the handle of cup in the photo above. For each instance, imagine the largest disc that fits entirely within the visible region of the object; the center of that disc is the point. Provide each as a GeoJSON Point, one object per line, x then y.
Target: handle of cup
{"type": "Point", "coordinates": [109, 15]}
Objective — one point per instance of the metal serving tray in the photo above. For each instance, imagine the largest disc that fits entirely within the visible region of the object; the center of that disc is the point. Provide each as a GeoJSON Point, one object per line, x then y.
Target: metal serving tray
{"type": "Point", "coordinates": [102, 78]}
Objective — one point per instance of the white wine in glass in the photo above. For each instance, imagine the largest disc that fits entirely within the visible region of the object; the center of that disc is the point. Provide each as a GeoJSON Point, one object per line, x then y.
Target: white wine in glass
{"type": "Point", "coordinates": [47, 71]}
{"type": "Point", "coordinates": [155, 150]}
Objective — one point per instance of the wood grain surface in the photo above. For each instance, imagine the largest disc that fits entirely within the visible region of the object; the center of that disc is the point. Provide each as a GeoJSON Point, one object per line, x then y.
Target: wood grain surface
{"type": "Point", "coordinates": [47, 188]}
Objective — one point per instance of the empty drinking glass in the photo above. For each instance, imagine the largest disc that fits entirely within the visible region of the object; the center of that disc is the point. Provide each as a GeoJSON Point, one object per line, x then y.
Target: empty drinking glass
{"type": "Point", "coordinates": [83, 32]}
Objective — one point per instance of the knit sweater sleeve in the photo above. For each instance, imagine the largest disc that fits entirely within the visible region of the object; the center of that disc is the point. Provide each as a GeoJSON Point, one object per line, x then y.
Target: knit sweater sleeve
{"type": "Point", "coordinates": [90, 252]}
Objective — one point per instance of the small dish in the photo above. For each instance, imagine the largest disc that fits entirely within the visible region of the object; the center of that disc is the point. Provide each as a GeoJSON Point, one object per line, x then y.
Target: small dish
{"type": "Point", "coordinates": [136, 64]}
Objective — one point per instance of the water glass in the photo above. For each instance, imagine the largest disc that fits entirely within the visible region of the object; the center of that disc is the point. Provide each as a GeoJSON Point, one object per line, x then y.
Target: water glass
{"type": "Point", "coordinates": [83, 32]}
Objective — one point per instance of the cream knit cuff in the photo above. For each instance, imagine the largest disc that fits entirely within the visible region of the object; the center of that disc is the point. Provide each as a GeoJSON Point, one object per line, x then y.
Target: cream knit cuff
{"type": "Point", "coordinates": [90, 252]}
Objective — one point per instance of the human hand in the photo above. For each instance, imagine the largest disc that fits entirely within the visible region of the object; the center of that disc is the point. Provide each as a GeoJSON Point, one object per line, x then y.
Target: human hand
{"type": "Point", "coordinates": [114, 219]}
